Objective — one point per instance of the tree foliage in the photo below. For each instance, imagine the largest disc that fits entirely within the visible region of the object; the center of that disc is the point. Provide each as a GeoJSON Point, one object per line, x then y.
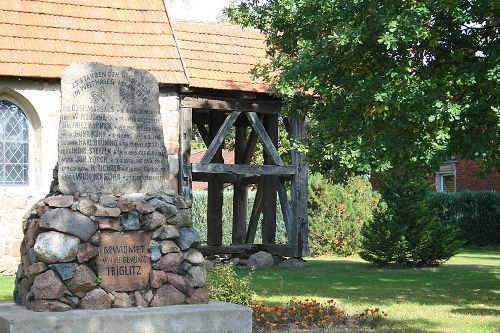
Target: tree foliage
{"type": "Point", "coordinates": [385, 84]}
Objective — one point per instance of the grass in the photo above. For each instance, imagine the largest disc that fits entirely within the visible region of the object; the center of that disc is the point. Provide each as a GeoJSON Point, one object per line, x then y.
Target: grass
{"type": "Point", "coordinates": [461, 295]}
{"type": "Point", "coordinates": [6, 288]}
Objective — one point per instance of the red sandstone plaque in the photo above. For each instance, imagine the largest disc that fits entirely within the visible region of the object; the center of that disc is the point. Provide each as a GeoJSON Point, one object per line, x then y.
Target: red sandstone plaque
{"type": "Point", "coordinates": [124, 261]}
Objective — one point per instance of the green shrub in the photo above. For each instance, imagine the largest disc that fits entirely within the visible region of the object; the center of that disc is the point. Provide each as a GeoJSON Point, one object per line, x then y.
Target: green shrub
{"type": "Point", "coordinates": [475, 214]}
{"type": "Point", "coordinates": [223, 284]}
{"type": "Point", "coordinates": [336, 214]}
{"type": "Point", "coordinates": [199, 211]}
{"type": "Point", "coordinates": [409, 232]}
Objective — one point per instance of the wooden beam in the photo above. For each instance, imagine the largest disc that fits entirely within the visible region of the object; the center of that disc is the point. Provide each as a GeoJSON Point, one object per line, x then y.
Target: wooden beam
{"type": "Point", "coordinates": [185, 137]}
{"type": "Point", "coordinates": [256, 210]}
{"type": "Point", "coordinates": [215, 188]}
{"type": "Point", "coordinates": [299, 227]}
{"type": "Point", "coordinates": [266, 107]}
{"type": "Point", "coordinates": [231, 178]}
{"type": "Point", "coordinates": [269, 210]}
{"type": "Point", "coordinates": [218, 139]}
{"type": "Point", "coordinates": [250, 147]}
{"type": "Point", "coordinates": [264, 137]}
{"type": "Point", "coordinates": [240, 192]}
{"type": "Point", "coordinates": [282, 250]}
{"type": "Point", "coordinates": [241, 169]}
{"type": "Point", "coordinates": [285, 208]}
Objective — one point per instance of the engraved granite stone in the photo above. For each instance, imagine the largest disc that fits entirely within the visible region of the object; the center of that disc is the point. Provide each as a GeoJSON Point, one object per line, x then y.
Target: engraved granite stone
{"type": "Point", "coordinates": [124, 262]}
{"type": "Point", "coordinates": [110, 133]}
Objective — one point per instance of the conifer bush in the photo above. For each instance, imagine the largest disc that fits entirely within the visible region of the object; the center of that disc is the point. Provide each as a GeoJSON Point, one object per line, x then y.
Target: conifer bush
{"type": "Point", "coordinates": [337, 213]}
{"type": "Point", "coordinates": [409, 232]}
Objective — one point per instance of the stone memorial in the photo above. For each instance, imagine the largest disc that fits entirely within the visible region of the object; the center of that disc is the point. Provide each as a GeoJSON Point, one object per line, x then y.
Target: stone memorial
{"type": "Point", "coordinates": [110, 136]}
{"type": "Point", "coordinates": [110, 233]}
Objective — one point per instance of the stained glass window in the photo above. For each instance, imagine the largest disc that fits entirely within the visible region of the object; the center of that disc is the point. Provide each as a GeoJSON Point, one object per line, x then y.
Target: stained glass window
{"type": "Point", "coordinates": [13, 144]}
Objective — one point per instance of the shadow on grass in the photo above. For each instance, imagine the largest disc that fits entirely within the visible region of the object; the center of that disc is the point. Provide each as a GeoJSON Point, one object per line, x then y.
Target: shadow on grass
{"type": "Point", "coordinates": [362, 282]}
{"type": "Point", "coordinates": [476, 311]}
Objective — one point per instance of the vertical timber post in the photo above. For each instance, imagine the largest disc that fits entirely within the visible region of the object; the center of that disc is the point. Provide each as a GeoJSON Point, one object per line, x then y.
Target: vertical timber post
{"type": "Point", "coordinates": [215, 188]}
{"type": "Point", "coordinates": [240, 196]}
{"type": "Point", "coordinates": [299, 227]}
{"type": "Point", "coordinates": [185, 136]}
{"type": "Point", "coordinates": [269, 203]}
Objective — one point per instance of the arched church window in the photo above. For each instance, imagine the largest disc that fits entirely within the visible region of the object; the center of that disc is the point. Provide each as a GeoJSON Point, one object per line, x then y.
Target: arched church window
{"type": "Point", "coordinates": [14, 144]}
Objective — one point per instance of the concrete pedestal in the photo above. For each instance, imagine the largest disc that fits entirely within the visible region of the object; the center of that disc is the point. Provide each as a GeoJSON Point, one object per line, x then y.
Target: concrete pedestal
{"type": "Point", "coordinates": [217, 317]}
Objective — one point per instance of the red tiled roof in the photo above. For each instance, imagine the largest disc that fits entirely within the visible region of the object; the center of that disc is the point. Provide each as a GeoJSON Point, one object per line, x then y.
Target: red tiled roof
{"type": "Point", "coordinates": [39, 38]}
{"type": "Point", "coordinates": [220, 56]}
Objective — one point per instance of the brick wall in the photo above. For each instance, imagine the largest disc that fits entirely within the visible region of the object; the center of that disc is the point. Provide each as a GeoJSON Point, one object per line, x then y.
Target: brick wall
{"type": "Point", "coordinates": [467, 179]}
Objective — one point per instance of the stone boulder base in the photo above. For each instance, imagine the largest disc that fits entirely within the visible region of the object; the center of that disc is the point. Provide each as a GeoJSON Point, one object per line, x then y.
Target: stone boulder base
{"type": "Point", "coordinates": [260, 259]}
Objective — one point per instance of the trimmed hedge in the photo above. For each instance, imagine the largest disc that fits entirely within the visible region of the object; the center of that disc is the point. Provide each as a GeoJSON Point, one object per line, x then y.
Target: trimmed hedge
{"type": "Point", "coordinates": [475, 214]}
{"type": "Point", "coordinates": [200, 217]}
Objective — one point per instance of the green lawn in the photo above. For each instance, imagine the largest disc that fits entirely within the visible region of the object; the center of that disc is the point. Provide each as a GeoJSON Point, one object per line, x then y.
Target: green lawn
{"type": "Point", "coordinates": [6, 288]}
{"type": "Point", "coordinates": [463, 295]}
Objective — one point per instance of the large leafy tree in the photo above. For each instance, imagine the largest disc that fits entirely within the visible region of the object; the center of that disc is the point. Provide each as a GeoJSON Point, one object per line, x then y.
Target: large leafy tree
{"type": "Point", "coordinates": [397, 84]}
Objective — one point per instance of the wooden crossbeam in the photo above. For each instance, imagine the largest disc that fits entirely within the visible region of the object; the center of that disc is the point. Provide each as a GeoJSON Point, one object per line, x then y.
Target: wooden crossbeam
{"type": "Point", "coordinates": [219, 137]}
{"type": "Point", "coordinates": [242, 169]}
{"type": "Point", "coordinates": [264, 137]}
{"type": "Point", "coordinates": [265, 107]}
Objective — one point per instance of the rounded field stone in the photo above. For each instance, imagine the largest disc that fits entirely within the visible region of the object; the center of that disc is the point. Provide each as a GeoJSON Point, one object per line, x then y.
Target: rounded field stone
{"type": "Point", "coordinates": [54, 247]}
{"type": "Point", "coordinates": [195, 257]}
{"type": "Point", "coordinates": [157, 278]}
{"type": "Point", "coordinates": [169, 247]}
{"type": "Point", "coordinates": [86, 206]}
{"type": "Point", "coordinates": [188, 237]}
{"type": "Point", "coordinates": [260, 259]}
{"type": "Point", "coordinates": [166, 209]}
{"type": "Point", "coordinates": [167, 295]}
{"type": "Point", "coordinates": [46, 305]}
{"type": "Point", "coordinates": [68, 221]}
{"type": "Point", "coordinates": [198, 276]}
{"type": "Point", "coordinates": [131, 221]}
{"type": "Point", "coordinates": [65, 271]}
{"type": "Point", "coordinates": [166, 232]}
{"type": "Point", "coordinates": [47, 286]}
{"type": "Point", "coordinates": [59, 201]}
{"type": "Point", "coordinates": [122, 300]}
{"type": "Point", "coordinates": [96, 299]}
{"type": "Point", "coordinates": [154, 249]}
{"type": "Point", "coordinates": [83, 280]}
{"type": "Point", "coordinates": [153, 221]}
{"type": "Point", "coordinates": [171, 262]}
{"type": "Point", "coordinates": [199, 296]}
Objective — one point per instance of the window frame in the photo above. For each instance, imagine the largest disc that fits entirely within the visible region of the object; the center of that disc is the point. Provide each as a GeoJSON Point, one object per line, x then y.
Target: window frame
{"type": "Point", "coordinates": [35, 181]}
{"type": "Point", "coordinates": [26, 180]}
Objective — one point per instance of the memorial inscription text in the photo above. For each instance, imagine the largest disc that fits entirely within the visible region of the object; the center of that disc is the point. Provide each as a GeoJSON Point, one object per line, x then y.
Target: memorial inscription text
{"type": "Point", "coordinates": [124, 262]}
{"type": "Point", "coordinates": [110, 135]}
